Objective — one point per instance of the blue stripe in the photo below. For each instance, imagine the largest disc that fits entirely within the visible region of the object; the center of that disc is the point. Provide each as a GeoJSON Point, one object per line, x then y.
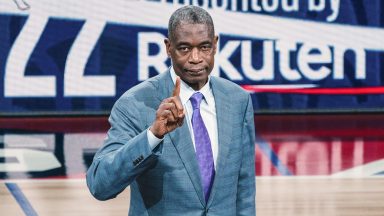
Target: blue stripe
{"type": "Point", "coordinates": [266, 149]}
{"type": "Point", "coordinates": [380, 173]}
{"type": "Point", "coordinates": [21, 199]}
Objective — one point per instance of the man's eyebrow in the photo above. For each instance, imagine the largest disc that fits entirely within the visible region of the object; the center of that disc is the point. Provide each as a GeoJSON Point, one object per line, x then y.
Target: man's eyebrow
{"type": "Point", "coordinates": [206, 42]}
{"type": "Point", "coordinates": [183, 43]}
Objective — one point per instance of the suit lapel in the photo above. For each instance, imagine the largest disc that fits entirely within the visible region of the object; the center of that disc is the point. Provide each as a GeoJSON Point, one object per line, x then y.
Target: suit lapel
{"type": "Point", "coordinates": [185, 147]}
{"type": "Point", "coordinates": [224, 129]}
{"type": "Point", "coordinates": [187, 154]}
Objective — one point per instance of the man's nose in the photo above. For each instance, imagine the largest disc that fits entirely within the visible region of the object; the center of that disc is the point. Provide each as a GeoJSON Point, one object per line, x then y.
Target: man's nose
{"type": "Point", "coordinates": [195, 56]}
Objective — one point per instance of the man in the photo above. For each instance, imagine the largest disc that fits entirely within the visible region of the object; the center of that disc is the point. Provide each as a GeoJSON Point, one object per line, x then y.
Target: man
{"type": "Point", "coordinates": [183, 140]}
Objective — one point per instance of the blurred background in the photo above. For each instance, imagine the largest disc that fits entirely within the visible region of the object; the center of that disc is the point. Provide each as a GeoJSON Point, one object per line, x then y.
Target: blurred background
{"type": "Point", "coordinates": [314, 69]}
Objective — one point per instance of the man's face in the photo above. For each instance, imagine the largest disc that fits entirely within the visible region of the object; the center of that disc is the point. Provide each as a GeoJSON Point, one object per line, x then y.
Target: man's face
{"type": "Point", "coordinates": [192, 51]}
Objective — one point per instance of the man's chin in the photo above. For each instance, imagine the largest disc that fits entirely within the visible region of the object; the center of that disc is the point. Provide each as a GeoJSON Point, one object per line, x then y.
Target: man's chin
{"type": "Point", "coordinates": [196, 81]}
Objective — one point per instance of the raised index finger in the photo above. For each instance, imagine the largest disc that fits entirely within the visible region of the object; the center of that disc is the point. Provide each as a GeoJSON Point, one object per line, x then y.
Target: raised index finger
{"type": "Point", "coordinates": [176, 90]}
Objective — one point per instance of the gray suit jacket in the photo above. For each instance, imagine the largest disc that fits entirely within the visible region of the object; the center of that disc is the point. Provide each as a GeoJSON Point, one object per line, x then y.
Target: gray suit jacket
{"type": "Point", "coordinates": [166, 180]}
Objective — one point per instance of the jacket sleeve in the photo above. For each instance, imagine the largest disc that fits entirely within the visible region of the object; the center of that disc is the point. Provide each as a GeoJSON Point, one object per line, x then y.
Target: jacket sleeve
{"type": "Point", "coordinates": [246, 189]}
{"type": "Point", "coordinates": [125, 153]}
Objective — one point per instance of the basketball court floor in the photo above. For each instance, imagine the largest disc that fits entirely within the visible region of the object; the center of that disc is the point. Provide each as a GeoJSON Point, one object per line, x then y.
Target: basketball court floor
{"type": "Point", "coordinates": [305, 165]}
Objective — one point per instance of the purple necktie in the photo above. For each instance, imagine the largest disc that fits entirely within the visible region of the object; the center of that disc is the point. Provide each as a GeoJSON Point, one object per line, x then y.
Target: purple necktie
{"type": "Point", "coordinates": [203, 145]}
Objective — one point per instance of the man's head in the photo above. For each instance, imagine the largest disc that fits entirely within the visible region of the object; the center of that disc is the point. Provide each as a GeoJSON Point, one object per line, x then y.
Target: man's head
{"type": "Point", "coordinates": [191, 44]}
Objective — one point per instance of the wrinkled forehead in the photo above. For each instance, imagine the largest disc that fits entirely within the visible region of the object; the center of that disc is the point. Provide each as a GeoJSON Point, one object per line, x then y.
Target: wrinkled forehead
{"type": "Point", "coordinates": [185, 27]}
{"type": "Point", "coordinates": [192, 32]}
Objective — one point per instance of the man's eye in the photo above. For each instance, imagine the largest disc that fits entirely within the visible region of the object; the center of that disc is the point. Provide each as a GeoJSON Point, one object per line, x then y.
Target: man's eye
{"type": "Point", "coordinates": [184, 49]}
{"type": "Point", "coordinates": [205, 48]}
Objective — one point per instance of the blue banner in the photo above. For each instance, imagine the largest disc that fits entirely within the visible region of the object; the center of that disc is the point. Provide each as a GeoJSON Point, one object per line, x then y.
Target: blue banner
{"type": "Point", "coordinates": [71, 57]}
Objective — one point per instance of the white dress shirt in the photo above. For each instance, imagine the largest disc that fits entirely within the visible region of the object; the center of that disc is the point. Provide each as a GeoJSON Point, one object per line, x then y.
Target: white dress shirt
{"type": "Point", "coordinates": [207, 110]}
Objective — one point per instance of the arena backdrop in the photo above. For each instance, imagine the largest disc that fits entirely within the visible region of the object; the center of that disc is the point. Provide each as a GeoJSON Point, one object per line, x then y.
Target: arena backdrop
{"type": "Point", "coordinates": [68, 57]}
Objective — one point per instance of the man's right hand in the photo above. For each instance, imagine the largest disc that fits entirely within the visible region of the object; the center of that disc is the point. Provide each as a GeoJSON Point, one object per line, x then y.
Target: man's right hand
{"type": "Point", "coordinates": [170, 114]}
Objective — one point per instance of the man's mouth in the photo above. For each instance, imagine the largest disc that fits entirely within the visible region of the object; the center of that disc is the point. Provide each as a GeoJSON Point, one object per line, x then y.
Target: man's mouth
{"type": "Point", "coordinates": [195, 72]}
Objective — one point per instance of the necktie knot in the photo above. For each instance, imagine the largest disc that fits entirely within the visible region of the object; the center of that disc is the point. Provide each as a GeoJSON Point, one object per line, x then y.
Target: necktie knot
{"type": "Point", "coordinates": [196, 100]}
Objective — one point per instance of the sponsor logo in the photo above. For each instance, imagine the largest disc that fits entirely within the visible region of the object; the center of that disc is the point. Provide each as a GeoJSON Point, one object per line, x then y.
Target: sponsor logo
{"type": "Point", "coordinates": [286, 54]}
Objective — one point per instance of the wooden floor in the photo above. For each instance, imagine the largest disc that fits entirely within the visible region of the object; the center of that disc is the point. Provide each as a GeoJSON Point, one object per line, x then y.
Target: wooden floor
{"type": "Point", "coordinates": [61, 197]}
{"type": "Point", "coordinates": [276, 196]}
{"type": "Point", "coordinates": [320, 196]}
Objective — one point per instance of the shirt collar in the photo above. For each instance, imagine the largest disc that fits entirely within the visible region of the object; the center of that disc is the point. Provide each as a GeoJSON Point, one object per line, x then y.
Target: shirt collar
{"type": "Point", "coordinates": [186, 91]}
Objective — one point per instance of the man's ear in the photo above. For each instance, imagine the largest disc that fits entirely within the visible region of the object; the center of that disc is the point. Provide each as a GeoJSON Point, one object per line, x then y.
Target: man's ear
{"type": "Point", "coordinates": [167, 46]}
{"type": "Point", "coordinates": [215, 40]}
